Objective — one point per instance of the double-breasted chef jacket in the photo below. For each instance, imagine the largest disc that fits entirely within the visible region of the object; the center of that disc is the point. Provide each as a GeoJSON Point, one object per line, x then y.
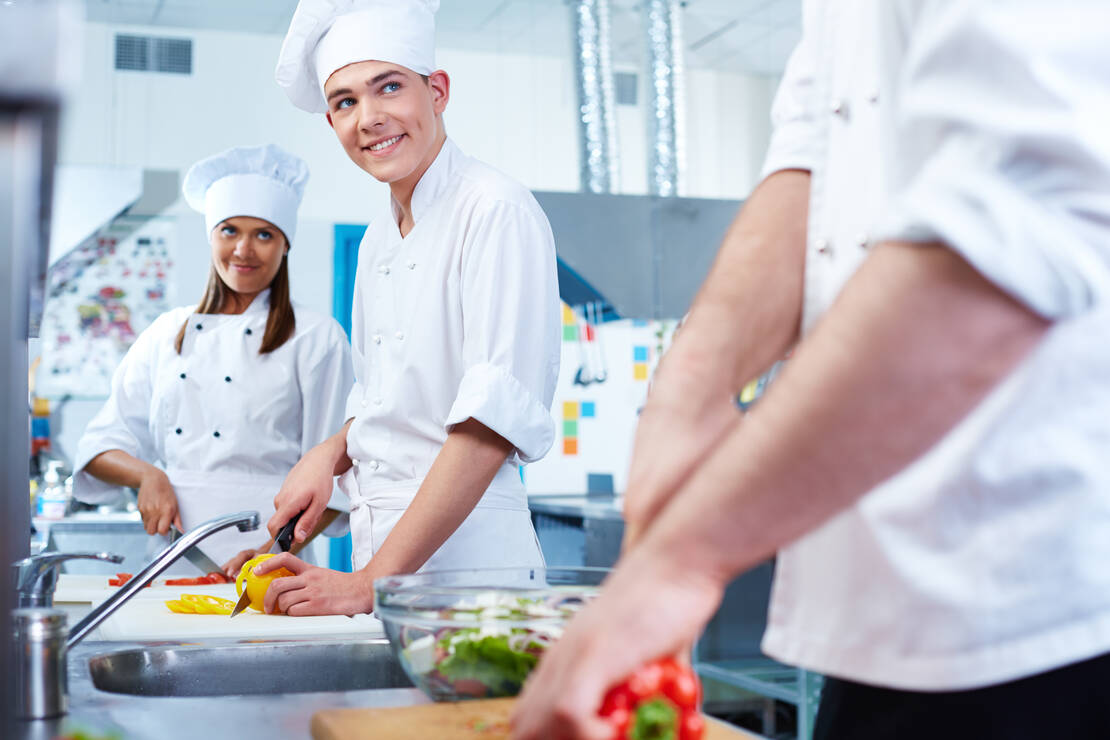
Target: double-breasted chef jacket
{"type": "Point", "coordinates": [226, 422]}
{"type": "Point", "coordinates": [965, 123]}
{"type": "Point", "coordinates": [457, 320]}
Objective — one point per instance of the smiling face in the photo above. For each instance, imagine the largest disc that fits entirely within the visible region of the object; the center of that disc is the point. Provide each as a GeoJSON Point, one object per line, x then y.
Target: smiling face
{"type": "Point", "coordinates": [247, 253]}
{"type": "Point", "coordinates": [387, 118]}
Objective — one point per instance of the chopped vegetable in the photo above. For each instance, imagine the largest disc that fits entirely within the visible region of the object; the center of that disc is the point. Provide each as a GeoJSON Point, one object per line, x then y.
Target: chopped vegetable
{"type": "Point", "coordinates": [200, 604]}
{"type": "Point", "coordinates": [657, 702]}
{"type": "Point", "coordinates": [212, 578]}
{"type": "Point", "coordinates": [122, 578]}
{"type": "Point", "coordinates": [495, 656]}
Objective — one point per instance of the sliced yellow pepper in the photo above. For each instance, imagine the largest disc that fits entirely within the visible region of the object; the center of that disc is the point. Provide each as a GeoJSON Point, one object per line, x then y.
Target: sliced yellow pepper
{"type": "Point", "coordinates": [177, 606]}
{"type": "Point", "coordinates": [200, 604]}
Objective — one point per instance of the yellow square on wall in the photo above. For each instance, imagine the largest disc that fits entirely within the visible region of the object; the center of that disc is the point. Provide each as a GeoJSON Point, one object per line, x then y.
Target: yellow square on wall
{"type": "Point", "coordinates": [570, 410]}
{"type": "Point", "coordinates": [640, 371]}
{"type": "Point", "coordinates": [568, 316]}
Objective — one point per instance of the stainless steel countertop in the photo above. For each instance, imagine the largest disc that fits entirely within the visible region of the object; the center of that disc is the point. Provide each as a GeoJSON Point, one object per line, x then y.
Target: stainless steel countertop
{"type": "Point", "coordinates": [193, 718]}
{"type": "Point", "coordinates": [578, 505]}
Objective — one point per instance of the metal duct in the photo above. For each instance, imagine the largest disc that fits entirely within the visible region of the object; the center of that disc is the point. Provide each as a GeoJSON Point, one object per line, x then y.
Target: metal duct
{"type": "Point", "coordinates": [594, 77]}
{"type": "Point", "coordinates": [666, 156]}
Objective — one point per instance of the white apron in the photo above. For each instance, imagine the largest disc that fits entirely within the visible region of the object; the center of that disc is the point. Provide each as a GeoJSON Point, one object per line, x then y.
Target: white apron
{"type": "Point", "coordinates": [498, 533]}
{"type": "Point", "coordinates": [204, 496]}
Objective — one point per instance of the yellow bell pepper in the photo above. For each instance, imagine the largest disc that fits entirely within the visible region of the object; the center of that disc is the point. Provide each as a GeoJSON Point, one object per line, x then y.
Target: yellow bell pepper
{"type": "Point", "coordinates": [200, 604]}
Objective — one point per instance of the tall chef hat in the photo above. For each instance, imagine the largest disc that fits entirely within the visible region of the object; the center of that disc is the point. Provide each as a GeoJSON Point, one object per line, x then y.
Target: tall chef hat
{"type": "Point", "coordinates": [264, 182]}
{"type": "Point", "coordinates": [326, 35]}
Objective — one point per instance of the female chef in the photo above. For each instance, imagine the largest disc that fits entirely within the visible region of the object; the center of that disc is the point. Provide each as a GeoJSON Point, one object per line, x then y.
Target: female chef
{"type": "Point", "coordinates": [455, 321]}
{"type": "Point", "coordinates": [214, 403]}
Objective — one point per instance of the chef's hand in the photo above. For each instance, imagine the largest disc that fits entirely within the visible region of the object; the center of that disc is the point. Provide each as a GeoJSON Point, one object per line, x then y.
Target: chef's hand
{"type": "Point", "coordinates": [306, 488]}
{"type": "Point", "coordinates": [648, 608]}
{"type": "Point", "coordinates": [158, 502]}
{"type": "Point", "coordinates": [313, 590]}
{"type": "Point", "coordinates": [235, 564]}
{"type": "Point", "coordinates": [683, 420]}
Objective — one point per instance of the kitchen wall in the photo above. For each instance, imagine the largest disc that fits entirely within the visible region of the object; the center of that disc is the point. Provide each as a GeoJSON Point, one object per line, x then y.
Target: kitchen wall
{"type": "Point", "coordinates": [515, 112]}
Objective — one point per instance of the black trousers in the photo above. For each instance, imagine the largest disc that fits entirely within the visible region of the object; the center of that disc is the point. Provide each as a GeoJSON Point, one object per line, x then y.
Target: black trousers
{"type": "Point", "coordinates": [1069, 703]}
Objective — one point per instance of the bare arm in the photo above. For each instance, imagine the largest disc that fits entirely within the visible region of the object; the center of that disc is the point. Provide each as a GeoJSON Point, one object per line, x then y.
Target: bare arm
{"type": "Point", "coordinates": [744, 318]}
{"type": "Point", "coordinates": [308, 486]}
{"type": "Point", "coordinates": [157, 500]}
{"type": "Point", "coordinates": [461, 473]}
{"type": "Point", "coordinates": [915, 341]}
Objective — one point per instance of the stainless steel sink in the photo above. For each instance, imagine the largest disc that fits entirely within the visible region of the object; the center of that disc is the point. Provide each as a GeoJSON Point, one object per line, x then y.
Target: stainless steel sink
{"type": "Point", "coordinates": [258, 668]}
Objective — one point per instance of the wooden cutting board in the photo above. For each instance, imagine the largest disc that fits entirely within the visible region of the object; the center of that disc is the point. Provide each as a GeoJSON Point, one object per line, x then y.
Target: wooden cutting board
{"type": "Point", "coordinates": [487, 719]}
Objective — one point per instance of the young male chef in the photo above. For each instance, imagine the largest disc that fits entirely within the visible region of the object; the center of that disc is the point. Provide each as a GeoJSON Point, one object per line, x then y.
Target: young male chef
{"type": "Point", "coordinates": [454, 327]}
{"type": "Point", "coordinates": [932, 464]}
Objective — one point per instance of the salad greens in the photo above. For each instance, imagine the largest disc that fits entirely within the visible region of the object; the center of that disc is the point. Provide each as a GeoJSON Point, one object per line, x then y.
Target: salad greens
{"type": "Point", "coordinates": [493, 657]}
{"type": "Point", "coordinates": [489, 660]}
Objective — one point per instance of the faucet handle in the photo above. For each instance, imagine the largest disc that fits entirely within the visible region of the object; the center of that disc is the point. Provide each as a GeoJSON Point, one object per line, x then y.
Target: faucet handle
{"type": "Point", "coordinates": [36, 576]}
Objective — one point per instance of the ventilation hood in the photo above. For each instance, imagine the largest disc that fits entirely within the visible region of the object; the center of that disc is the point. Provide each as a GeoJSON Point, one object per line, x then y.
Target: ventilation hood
{"type": "Point", "coordinates": [88, 198]}
{"type": "Point", "coordinates": [643, 256]}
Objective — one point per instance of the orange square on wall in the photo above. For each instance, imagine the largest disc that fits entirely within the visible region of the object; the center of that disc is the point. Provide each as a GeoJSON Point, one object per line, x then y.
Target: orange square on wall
{"type": "Point", "coordinates": [570, 446]}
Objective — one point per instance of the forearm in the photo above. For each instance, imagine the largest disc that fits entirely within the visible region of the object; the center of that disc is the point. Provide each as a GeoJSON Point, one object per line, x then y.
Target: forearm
{"type": "Point", "coordinates": [461, 473]}
{"type": "Point", "coordinates": [120, 468]}
{"type": "Point", "coordinates": [915, 341]}
{"type": "Point", "coordinates": [336, 449]}
{"type": "Point", "coordinates": [748, 311]}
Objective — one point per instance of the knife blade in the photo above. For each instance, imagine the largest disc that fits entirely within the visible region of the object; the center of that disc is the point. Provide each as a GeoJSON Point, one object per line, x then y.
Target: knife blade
{"type": "Point", "coordinates": [197, 557]}
{"type": "Point", "coordinates": [242, 603]}
{"type": "Point", "coordinates": [282, 543]}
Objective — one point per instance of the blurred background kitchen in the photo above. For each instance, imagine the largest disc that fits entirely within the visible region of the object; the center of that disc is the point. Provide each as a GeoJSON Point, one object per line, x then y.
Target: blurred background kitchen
{"type": "Point", "coordinates": [640, 125]}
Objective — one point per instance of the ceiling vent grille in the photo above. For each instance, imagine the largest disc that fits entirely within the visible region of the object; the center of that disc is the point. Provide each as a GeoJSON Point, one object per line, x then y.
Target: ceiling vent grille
{"type": "Point", "coordinates": [627, 86]}
{"type": "Point", "coordinates": [151, 54]}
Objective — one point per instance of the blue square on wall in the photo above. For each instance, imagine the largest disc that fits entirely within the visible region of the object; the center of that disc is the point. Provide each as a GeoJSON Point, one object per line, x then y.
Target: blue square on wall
{"type": "Point", "coordinates": [586, 410]}
{"type": "Point", "coordinates": [640, 354]}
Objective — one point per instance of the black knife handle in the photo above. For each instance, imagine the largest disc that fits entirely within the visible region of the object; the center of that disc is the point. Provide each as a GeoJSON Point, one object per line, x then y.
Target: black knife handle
{"type": "Point", "coordinates": [284, 537]}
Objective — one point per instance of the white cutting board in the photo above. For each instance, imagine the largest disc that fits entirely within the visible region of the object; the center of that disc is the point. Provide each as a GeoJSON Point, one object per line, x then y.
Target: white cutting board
{"type": "Point", "coordinates": [75, 588]}
{"type": "Point", "coordinates": [147, 618]}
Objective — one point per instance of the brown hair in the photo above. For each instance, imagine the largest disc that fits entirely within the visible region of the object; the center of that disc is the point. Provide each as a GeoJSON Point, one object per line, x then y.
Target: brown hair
{"type": "Point", "coordinates": [279, 324]}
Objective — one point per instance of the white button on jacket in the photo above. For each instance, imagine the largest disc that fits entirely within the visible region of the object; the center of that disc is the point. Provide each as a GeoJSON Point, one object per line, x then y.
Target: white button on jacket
{"type": "Point", "coordinates": [982, 125]}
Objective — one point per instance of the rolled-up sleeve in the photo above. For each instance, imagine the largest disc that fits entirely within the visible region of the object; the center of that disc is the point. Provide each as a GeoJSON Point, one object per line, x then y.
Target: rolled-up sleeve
{"type": "Point", "coordinates": [510, 309]}
{"type": "Point", "coordinates": [795, 136]}
{"type": "Point", "coordinates": [1001, 146]}
{"type": "Point", "coordinates": [123, 423]}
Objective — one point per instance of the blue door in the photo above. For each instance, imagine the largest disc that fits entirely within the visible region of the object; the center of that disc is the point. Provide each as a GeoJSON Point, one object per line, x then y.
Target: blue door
{"type": "Point", "coordinates": [345, 258]}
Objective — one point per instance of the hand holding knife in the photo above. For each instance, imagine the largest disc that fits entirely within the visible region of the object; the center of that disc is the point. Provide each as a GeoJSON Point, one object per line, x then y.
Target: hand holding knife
{"type": "Point", "coordinates": [282, 543]}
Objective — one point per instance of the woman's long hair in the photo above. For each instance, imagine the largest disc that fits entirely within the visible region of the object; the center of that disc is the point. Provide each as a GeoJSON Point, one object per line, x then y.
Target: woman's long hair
{"type": "Point", "coordinates": [279, 324]}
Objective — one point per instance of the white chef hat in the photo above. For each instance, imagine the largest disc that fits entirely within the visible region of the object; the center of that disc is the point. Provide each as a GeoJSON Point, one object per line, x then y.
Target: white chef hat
{"type": "Point", "coordinates": [326, 35]}
{"type": "Point", "coordinates": [264, 182]}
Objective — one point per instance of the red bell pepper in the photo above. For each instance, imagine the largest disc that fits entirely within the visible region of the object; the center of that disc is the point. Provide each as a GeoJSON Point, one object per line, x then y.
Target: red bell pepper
{"type": "Point", "coordinates": [658, 702]}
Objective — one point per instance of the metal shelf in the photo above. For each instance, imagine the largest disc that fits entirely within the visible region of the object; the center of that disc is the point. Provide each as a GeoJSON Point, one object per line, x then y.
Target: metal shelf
{"type": "Point", "coordinates": [771, 679]}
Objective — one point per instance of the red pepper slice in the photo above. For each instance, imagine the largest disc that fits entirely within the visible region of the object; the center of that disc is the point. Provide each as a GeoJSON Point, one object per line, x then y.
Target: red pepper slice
{"type": "Point", "coordinates": [657, 702]}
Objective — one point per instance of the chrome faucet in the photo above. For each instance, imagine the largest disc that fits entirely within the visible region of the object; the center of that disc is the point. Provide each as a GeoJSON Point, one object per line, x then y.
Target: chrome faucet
{"type": "Point", "coordinates": [42, 641]}
{"type": "Point", "coordinates": [244, 520]}
{"type": "Point", "coordinates": [36, 576]}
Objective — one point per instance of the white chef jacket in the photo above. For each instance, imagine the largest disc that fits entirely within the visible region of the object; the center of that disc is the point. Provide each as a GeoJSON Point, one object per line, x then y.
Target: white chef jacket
{"type": "Point", "coordinates": [982, 125]}
{"type": "Point", "coordinates": [225, 422]}
{"type": "Point", "coordinates": [457, 320]}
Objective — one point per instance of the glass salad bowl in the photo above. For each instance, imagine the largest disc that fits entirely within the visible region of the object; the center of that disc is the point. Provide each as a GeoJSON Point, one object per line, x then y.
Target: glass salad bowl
{"type": "Point", "coordinates": [475, 634]}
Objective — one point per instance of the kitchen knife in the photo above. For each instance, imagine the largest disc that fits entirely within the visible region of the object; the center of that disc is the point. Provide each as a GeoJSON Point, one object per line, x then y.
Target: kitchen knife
{"type": "Point", "coordinates": [284, 539]}
{"type": "Point", "coordinates": [197, 557]}
{"type": "Point", "coordinates": [282, 543]}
